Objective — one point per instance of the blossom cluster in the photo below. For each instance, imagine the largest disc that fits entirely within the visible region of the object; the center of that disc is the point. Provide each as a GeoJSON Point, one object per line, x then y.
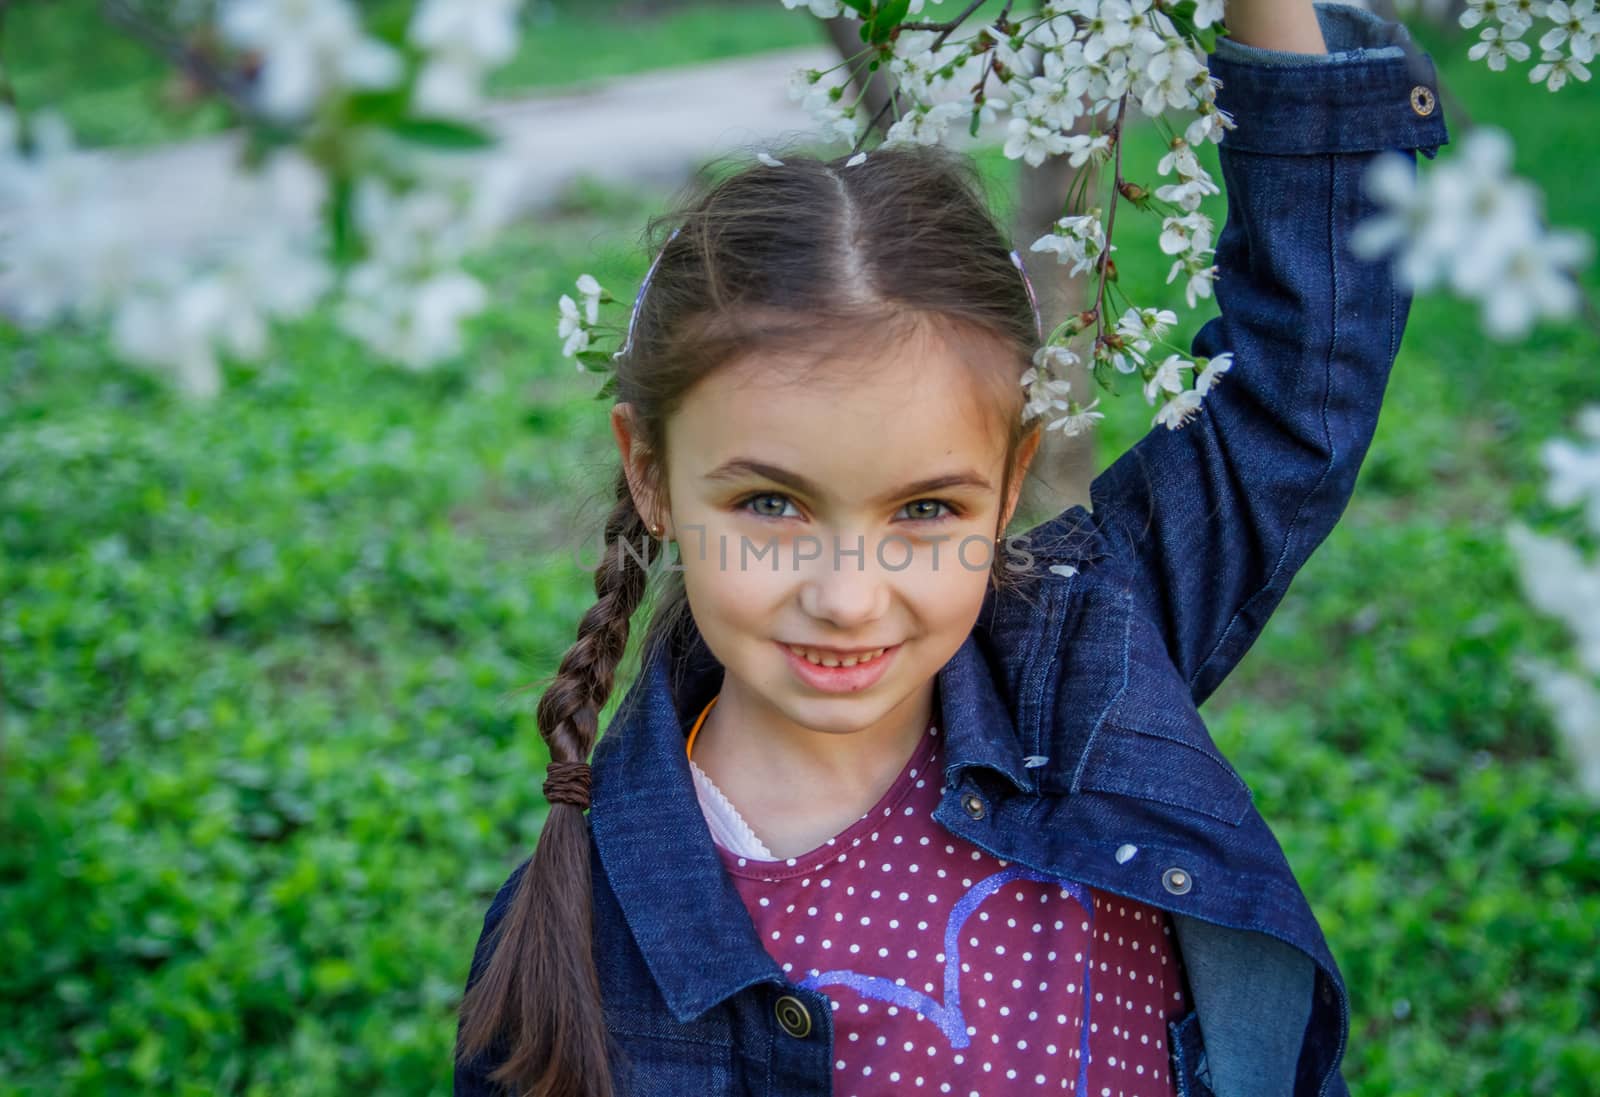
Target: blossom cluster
{"type": "Point", "coordinates": [309, 51]}
{"type": "Point", "coordinates": [1560, 582]}
{"type": "Point", "coordinates": [1129, 348]}
{"type": "Point", "coordinates": [177, 297]}
{"type": "Point", "coordinates": [72, 252]}
{"type": "Point", "coordinates": [1471, 225]}
{"type": "Point", "coordinates": [1565, 48]}
{"type": "Point", "coordinates": [1094, 57]}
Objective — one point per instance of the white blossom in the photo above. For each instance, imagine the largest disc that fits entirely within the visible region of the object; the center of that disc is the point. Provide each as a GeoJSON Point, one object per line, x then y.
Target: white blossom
{"type": "Point", "coordinates": [414, 322]}
{"type": "Point", "coordinates": [1078, 419]}
{"type": "Point", "coordinates": [1576, 24]}
{"type": "Point", "coordinates": [462, 41]}
{"type": "Point", "coordinates": [1078, 240]}
{"type": "Point", "coordinates": [1213, 371]}
{"type": "Point", "coordinates": [1180, 157]}
{"type": "Point", "coordinates": [1168, 377]}
{"type": "Point", "coordinates": [1555, 68]}
{"type": "Point", "coordinates": [1559, 582]}
{"type": "Point", "coordinates": [1033, 141]}
{"type": "Point", "coordinates": [1081, 147]}
{"type": "Point", "coordinates": [571, 329]}
{"type": "Point", "coordinates": [1209, 126]}
{"type": "Point", "coordinates": [1199, 281]}
{"type": "Point", "coordinates": [1178, 410]}
{"type": "Point", "coordinates": [1478, 11]}
{"type": "Point", "coordinates": [1142, 328]}
{"type": "Point", "coordinates": [308, 48]}
{"type": "Point", "coordinates": [1574, 468]}
{"type": "Point", "coordinates": [1495, 45]}
{"type": "Point", "coordinates": [1574, 706]}
{"type": "Point", "coordinates": [1207, 12]}
{"type": "Point", "coordinates": [824, 103]}
{"type": "Point", "coordinates": [1188, 234]}
{"type": "Point", "coordinates": [1188, 194]}
{"type": "Point", "coordinates": [822, 9]}
{"type": "Point", "coordinates": [591, 292]}
{"type": "Point", "coordinates": [924, 125]}
{"type": "Point", "coordinates": [1471, 225]}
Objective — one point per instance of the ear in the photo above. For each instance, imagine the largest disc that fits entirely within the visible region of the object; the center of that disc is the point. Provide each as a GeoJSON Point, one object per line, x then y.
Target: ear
{"type": "Point", "coordinates": [1026, 449]}
{"type": "Point", "coordinates": [637, 463]}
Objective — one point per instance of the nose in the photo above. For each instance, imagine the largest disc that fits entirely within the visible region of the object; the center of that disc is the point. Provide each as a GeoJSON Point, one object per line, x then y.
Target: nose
{"type": "Point", "coordinates": [848, 593]}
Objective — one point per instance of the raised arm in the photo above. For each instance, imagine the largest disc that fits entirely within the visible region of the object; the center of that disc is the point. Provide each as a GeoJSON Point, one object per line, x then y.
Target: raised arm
{"type": "Point", "coordinates": [1218, 515]}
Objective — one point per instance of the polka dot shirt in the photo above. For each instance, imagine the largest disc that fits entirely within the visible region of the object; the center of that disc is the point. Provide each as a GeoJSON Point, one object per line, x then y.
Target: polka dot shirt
{"type": "Point", "coordinates": [950, 971]}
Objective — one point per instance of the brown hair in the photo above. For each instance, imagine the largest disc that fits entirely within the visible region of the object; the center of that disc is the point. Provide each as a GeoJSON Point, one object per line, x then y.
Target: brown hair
{"type": "Point", "coordinates": [807, 260]}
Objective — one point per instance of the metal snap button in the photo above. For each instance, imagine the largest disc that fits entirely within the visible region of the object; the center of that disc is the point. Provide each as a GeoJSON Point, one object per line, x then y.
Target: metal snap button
{"type": "Point", "coordinates": [1177, 881]}
{"type": "Point", "coordinates": [793, 1016]}
{"type": "Point", "coordinates": [974, 805]}
{"type": "Point", "coordinates": [1422, 100]}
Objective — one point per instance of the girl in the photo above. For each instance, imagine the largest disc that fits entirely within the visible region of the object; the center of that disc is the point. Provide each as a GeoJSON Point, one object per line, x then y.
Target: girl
{"type": "Point", "coordinates": [894, 808]}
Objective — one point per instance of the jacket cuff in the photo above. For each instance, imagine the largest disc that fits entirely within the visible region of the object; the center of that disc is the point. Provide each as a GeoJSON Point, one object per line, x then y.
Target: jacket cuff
{"type": "Point", "coordinates": [1373, 90]}
{"type": "Point", "coordinates": [1348, 32]}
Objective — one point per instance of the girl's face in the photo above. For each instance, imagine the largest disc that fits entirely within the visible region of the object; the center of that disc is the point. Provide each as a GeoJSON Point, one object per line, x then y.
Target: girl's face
{"type": "Point", "coordinates": [852, 510]}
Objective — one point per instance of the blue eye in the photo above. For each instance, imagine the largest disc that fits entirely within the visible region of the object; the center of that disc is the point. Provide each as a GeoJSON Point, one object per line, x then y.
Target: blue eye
{"type": "Point", "coordinates": [764, 495]}
{"type": "Point", "coordinates": [932, 502]}
{"type": "Point", "coordinates": [950, 511]}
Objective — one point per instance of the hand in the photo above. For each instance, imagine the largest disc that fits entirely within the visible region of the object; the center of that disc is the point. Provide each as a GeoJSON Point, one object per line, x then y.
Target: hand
{"type": "Point", "coordinates": [1289, 25]}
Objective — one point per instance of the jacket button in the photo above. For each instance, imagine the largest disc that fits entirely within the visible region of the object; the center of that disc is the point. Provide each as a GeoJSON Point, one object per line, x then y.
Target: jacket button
{"type": "Point", "coordinates": [1177, 881]}
{"type": "Point", "coordinates": [1422, 100]}
{"type": "Point", "coordinates": [793, 1016]}
{"type": "Point", "coordinates": [974, 805]}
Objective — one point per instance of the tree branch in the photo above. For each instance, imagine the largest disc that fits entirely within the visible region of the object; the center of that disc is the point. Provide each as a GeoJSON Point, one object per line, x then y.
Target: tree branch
{"type": "Point", "coordinates": [199, 68]}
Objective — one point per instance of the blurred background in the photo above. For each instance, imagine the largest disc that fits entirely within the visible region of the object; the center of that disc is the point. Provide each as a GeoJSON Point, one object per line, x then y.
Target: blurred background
{"type": "Point", "coordinates": [267, 745]}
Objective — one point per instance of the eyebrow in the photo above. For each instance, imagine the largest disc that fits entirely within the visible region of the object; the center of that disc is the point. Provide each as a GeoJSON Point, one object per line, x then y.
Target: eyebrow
{"type": "Point", "coordinates": [740, 467]}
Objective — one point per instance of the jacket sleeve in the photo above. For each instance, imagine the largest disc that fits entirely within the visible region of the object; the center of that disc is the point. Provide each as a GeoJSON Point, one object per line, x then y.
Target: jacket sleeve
{"type": "Point", "coordinates": [1217, 516]}
{"type": "Point", "coordinates": [472, 1076]}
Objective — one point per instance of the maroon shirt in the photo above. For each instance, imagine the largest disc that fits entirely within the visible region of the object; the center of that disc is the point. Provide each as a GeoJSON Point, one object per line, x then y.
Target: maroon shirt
{"type": "Point", "coordinates": [953, 971]}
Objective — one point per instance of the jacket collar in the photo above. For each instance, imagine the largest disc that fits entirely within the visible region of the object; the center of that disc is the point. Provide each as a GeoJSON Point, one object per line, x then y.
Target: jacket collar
{"type": "Point", "coordinates": [695, 934]}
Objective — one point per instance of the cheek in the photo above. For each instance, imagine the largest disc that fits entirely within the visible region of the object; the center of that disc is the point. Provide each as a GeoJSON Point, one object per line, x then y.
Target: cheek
{"type": "Point", "coordinates": [947, 601]}
{"type": "Point", "coordinates": [730, 580]}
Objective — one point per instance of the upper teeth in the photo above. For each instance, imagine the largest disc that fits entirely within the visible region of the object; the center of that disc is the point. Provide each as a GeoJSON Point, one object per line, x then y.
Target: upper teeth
{"type": "Point", "coordinates": [824, 659]}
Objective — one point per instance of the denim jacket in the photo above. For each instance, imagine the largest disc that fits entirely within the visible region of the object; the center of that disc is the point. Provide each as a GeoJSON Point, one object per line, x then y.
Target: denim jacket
{"type": "Point", "coordinates": [1143, 605]}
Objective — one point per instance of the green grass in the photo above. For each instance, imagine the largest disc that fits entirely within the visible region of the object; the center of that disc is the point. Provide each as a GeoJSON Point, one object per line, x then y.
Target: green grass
{"type": "Point", "coordinates": [267, 750]}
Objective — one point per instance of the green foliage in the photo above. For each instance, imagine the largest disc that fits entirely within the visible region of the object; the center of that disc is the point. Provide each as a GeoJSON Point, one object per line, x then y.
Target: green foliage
{"type": "Point", "coordinates": [266, 735]}
{"type": "Point", "coordinates": [267, 726]}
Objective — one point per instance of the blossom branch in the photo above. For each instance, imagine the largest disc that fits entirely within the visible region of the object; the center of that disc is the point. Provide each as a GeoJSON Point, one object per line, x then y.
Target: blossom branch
{"type": "Point", "coordinates": [1111, 219]}
{"type": "Point", "coordinates": [949, 26]}
{"type": "Point", "coordinates": [192, 62]}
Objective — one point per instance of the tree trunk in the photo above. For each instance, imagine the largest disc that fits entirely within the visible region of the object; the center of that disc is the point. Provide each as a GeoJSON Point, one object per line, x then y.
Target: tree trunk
{"type": "Point", "coordinates": [1063, 467]}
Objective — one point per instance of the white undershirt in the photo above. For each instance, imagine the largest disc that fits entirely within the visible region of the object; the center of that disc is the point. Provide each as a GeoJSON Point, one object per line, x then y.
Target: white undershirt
{"type": "Point", "coordinates": [728, 828]}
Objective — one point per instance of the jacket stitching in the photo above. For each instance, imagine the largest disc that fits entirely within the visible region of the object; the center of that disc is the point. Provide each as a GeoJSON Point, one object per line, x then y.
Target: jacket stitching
{"type": "Point", "coordinates": [1333, 346]}
{"type": "Point", "coordinates": [1039, 670]}
{"type": "Point", "coordinates": [1127, 633]}
{"type": "Point", "coordinates": [1212, 755]}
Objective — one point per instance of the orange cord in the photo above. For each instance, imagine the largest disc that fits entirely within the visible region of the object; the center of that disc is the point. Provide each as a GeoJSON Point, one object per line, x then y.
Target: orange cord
{"type": "Point", "coordinates": [689, 747]}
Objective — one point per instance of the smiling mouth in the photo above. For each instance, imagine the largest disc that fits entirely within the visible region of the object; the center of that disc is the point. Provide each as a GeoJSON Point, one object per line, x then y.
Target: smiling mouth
{"type": "Point", "coordinates": [823, 658]}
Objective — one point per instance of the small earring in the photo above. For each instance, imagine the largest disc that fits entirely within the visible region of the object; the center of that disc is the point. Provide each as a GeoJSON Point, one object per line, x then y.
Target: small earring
{"type": "Point", "coordinates": [655, 530]}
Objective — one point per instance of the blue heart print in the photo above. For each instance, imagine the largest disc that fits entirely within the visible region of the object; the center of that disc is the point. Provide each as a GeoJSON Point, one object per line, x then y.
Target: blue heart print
{"type": "Point", "coordinates": [947, 1015]}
